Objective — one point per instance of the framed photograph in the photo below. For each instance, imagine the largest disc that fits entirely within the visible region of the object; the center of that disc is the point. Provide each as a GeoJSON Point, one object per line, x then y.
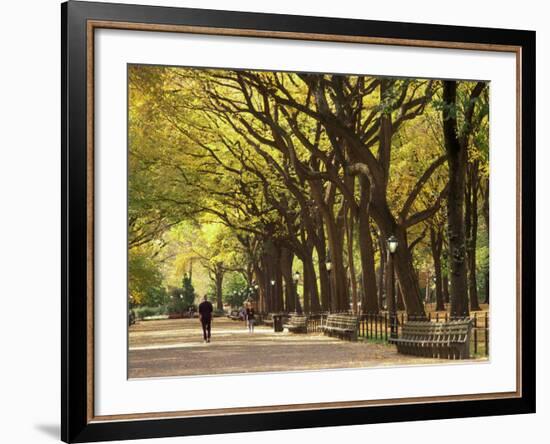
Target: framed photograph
{"type": "Point", "coordinates": [276, 221]}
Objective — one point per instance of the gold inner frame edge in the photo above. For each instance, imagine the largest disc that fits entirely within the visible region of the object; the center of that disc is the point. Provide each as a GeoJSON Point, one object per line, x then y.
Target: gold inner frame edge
{"type": "Point", "coordinates": [92, 25]}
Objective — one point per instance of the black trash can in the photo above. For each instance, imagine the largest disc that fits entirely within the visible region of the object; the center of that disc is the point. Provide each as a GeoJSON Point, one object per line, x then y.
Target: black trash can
{"type": "Point", "coordinates": [278, 323]}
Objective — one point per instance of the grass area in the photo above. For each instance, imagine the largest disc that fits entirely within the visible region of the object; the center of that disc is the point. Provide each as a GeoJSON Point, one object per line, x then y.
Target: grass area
{"type": "Point", "coordinates": [381, 341]}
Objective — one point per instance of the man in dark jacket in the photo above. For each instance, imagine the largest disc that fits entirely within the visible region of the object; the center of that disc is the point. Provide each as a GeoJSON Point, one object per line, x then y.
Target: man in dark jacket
{"type": "Point", "coordinates": [205, 316]}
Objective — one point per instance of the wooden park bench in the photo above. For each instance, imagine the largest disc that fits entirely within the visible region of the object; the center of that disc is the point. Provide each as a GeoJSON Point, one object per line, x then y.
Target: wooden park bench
{"type": "Point", "coordinates": [297, 324]}
{"type": "Point", "coordinates": [447, 340]}
{"type": "Point", "coordinates": [344, 326]}
{"type": "Point", "coordinates": [268, 319]}
{"type": "Point", "coordinates": [235, 316]}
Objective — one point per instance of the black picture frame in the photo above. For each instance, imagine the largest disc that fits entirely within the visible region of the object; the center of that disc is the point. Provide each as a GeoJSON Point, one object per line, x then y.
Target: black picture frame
{"type": "Point", "coordinates": [76, 423]}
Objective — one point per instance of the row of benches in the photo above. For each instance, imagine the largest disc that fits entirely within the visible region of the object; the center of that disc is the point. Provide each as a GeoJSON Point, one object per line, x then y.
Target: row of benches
{"type": "Point", "coordinates": [344, 326]}
{"type": "Point", "coordinates": [448, 340]}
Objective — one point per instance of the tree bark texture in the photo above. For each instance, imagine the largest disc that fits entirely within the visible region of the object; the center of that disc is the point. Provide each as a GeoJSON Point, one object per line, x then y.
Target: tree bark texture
{"type": "Point", "coordinates": [457, 160]}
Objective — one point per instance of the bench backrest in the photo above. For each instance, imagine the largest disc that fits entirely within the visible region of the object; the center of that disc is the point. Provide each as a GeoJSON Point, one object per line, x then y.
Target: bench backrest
{"type": "Point", "coordinates": [451, 331]}
{"type": "Point", "coordinates": [345, 321]}
{"type": "Point", "coordinates": [298, 320]}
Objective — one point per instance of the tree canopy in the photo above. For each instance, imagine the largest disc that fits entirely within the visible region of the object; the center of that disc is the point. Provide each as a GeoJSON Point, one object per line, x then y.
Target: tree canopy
{"type": "Point", "coordinates": [248, 177]}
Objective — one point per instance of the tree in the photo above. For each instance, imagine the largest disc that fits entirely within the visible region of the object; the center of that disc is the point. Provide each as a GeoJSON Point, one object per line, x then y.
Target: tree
{"type": "Point", "coordinates": [456, 146]}
{"type": "Point", "coordinates": [436, 243]}
{"type": "Point", "coordinates": [143, 274]}
{"type": "Point", "coordinates": [160, 178]}
{"type": "Point", "coordinates": [188, 292]}
{"type": "Point", "coordinates": [476, 179]}
{"type": "Point", "coordinates": [352, 144]}
{"type": "Point", "coordinates": [263, 173]}
{"type": "Point", "coordinates": [155, 297]}
{"type": "Point", "coordinates": [234, 290]}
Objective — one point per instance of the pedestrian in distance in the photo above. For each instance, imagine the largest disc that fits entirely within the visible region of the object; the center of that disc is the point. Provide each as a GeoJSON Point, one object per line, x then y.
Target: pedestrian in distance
{"type": "Point", "coordinates": [250, 317]}
{"type": "Point", "coordinates": [205, 316]}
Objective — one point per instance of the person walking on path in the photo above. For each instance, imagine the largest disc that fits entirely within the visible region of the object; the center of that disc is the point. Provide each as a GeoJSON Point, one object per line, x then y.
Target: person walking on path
{"type": "Point", "coordinates": [250, 317]}
{"type": "Point", "coordinates": [205, 316]}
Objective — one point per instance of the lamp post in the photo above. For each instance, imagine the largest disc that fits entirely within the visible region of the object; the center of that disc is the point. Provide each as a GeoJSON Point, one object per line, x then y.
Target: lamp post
{"type": "Point", "coordinates": [392, 248]}
{"type": "Point", "coordinates": [296, 279]}
{"type": "Point", "coordinates": [328, 265]}
{"type": "Point", "coordinates": [257, 299]}
{"type": "Point", "coordinates": [242, 298]}
{"type": "Point", "coordinates": [272, 298]}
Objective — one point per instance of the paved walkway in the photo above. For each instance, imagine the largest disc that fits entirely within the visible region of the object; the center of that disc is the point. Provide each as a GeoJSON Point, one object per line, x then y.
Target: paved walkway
{"type": "Point", "coordinates": [175, 348]}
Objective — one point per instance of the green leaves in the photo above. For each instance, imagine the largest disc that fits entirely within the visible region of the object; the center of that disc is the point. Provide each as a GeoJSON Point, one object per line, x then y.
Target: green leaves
{"type": "Point", "coordinates": [220, 157]}
{"type": "Point", "coordinates": [143, 275]}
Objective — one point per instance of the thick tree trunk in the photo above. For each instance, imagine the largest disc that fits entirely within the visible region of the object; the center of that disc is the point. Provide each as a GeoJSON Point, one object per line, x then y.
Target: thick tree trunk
{"type": "Point", "coordinates": [382, 214]}
{"type": "Point", "coordinates": [485, 212]}
{"type": "Point", "coordinates": [323, 282]}
{"type": "Point", "coordinates": [403, 264]}
{"type": "Point", "coordinates": [338, 273]}
{"type": "Point", "coordinates": [446, 288]}
{"type": "Point", "coordinates": [349, 224]}
{"type": "Point", "coordinates": [277, 276]}
{"type": "Point", "coordinates": [259, 273]}
{"type": "Point", "coordinates": [286, 270]}
{"type": "Point", "coordinates": [269, 276]}
{"type": "Point", "coordinates": [427, 287]}
{"type": "Point", "coordinates": [310, 295]}
{"type": "Point", "coordinates": [471, 233]}
{"type": "Point", "coordinates": [249, 272]}
{"type": "Point", "coordinates": [344, 293]}
{"type": "Point", "coordinates": [335, 241]}
{"type": "Point", "coordinates": [310, 276]}
{"type": "Point", "coordinates": [270, 265]}
{"type": "Point", "coordinates": [399, 293]}
{"type": "Point", "coordinates": [404, 271]}
{"type": "Point", "coordinates": [436, 243]}
{"type": "Point", "coordinates": [219, 288]}
{"type": "Point", "coordinates": [381, 272]}
{"type": "Point", "coordinates": [457, 159]}
{"type": "Point", "coordinates": [322, 268]}
{"type": "Point", "coordinates": [485, 204]}
{"type": "Point", "coordinates": [366, 249]}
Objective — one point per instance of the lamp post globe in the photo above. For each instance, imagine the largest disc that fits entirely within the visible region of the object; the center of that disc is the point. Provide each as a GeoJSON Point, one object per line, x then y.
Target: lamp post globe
{"type": "Point", "coordinates": [392, 244]}
{"type": "Point", "coordinates": [328, 266]}
{"type": "Point", "coordinates": [328, 262]}
{"type": "Point", "coordinates": [296, 278]}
